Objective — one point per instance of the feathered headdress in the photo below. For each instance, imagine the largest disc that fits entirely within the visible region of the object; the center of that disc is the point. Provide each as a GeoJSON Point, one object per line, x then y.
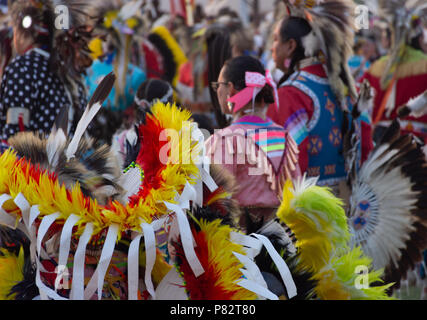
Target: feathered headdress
{"type": "Point", "coordinates": [120, 20]}
{"type": "Point", "coordinates": [331, 38]}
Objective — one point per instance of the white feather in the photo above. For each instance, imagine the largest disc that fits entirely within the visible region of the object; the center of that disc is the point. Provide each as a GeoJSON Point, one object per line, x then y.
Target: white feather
{"type": "Point", "coordinates": [418, 105]}
{"type": "Point", "coordinates": [86, 118]}
{"type": "Point", "coordinates": [54, 146]}
{"type": "Point", "coordinates": [129, 10]}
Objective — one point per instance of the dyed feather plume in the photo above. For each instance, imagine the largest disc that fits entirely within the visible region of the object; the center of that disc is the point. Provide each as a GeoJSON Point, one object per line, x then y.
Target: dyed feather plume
{"type": "Point", "coordinates": [387, 213]}
{"type": "Point", "coordinates": [318, 220]}
{"type": "Point", "coordinates": [222, 269]}
{"type": "Point", "coordinates": [172, 53]}
{"type": "Point", "coordinates": [340, 279]}
{"type": "Point", "coordinates": [11, 272]}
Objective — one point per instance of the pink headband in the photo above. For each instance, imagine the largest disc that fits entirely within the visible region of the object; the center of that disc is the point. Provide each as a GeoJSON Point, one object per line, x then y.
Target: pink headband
{"type": "Point", "coordinates": [254, 83]}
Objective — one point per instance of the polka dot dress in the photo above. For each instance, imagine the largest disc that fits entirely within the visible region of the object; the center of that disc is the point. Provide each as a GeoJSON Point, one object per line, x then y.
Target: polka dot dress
{"type": "Point", "coordinates": [28, 83]}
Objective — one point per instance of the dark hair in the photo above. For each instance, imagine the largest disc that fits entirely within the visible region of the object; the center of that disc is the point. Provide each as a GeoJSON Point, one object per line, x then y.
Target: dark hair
{"type": "Point", "coordinates": [219, 51]}
{"type": "Point", "coordinates": [41, 17]}
{"type": "Point", "coordinates": [235, 71]}
{"type": "Point", "coordinates": [416, 42]}
{"type": "Point", "coordinates": [150, 90]}
{"type": "Point", "coordinates": [44, 18]}
{"type": "Point", "coordinates": [294, 28]}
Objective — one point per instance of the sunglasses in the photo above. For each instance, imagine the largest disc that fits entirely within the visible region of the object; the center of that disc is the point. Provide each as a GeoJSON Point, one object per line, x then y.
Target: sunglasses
{"type": "Point", "coordinates": [215, 85]}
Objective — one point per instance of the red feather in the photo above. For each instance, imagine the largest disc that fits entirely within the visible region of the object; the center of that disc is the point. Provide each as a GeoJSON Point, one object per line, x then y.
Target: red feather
{"type": "Point", "coordinates": [148, 158]}
{"type": "Point", "coordinates": [204, 287]}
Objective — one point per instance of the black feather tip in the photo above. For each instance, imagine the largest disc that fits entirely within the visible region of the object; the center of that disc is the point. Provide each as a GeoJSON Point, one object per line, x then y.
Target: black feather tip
{"type": "Point", "coordinates": [103, 90]}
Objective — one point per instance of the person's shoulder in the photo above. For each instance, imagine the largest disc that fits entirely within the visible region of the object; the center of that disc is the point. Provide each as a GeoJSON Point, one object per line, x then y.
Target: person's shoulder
{"type": "Point", "coordinates": [377, 67]}
{"type": "Point", "coordinates": [17, 63]}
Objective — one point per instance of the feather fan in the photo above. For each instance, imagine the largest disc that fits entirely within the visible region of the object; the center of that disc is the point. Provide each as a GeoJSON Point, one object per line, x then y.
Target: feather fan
{"type": "Point", "coordinates": [387, 211]}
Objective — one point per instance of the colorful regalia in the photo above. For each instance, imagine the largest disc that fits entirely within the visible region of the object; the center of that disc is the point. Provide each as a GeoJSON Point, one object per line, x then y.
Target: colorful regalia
{"type": "Point", "coordinates": [317, 99]}
{"type": "Point", "coordinates": [402, 74]}
{"type": "Point", "coordinates": [119, 21]}
{"type": "Point", "coordinates": [74, 226]}
{"type": "Point", "coordinates": [261, 156]}
{"type": "Point", "coordinates": [82, 221]}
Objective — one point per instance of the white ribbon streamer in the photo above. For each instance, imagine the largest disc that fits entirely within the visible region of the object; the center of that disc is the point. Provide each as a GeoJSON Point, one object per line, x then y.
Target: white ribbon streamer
{"type": "Point", "coordinates": [45, 292]}
{"type": "Point", "coordinates": [133, 266]}
{"type": "Point", "coordinates": [5, 218]}
{"type": "Point", "coordinates": [252, 246]}
{"type": "Point", "coordinates": [252, 271]}
{"type": "Point", "coordinates": [77, 289]}
{"type": "Point", "coordinates": [44, 227]}
{"type": "Point", "coordinates": [281, 265]}
{"type": "Point", "coordinates": [97, 279]}
{"type": "Point", "coordinates": [24, 206]}
{"type": "Point", "coordinates": [187, 195]}
{"type": "Point", "coordinates": [208, 180]}
{"type": "Point", "coordinates": [65, 244]}
{"type": "Point", "coordinates": [133, 258]}
{"type": "Point", "coordinates": [257, 289]}
{"type": "Point", "coordinates": [186, 239]}
{"type": "Point", "coordinates": [150, 252]}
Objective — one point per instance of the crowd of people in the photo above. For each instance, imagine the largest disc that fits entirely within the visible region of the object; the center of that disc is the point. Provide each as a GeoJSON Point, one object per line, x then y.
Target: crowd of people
{"type": "Point", "coordinates": [307, 134]}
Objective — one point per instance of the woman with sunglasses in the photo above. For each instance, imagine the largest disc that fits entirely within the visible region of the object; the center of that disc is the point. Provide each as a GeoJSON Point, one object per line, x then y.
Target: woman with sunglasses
{"type": "Point", "coordinates": [257, 152]}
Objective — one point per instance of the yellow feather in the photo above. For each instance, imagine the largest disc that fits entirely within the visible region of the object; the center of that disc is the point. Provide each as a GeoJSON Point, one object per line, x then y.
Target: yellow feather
{"type": "Point", "coordinates": [178, 53]}
{"type": "Point", "coordinates": [221, 256]}
{"type": "Point", "coordinates": [11, 272]}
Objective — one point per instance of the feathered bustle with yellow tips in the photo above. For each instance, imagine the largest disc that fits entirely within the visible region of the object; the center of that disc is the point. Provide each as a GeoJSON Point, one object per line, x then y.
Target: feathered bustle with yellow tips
{"type": "Point", "coordinates": [222, 269]}
{"type": "Point", "coordinates": [350, 277]}
{"type": "Point", "coordinates": [318, 220]}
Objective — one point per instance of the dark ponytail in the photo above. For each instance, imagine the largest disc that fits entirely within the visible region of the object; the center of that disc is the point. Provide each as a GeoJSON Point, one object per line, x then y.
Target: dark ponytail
{"type": "Point", "coordinates": [235, 71]}
{"type": "Point", "coordinates": [294, 28]}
